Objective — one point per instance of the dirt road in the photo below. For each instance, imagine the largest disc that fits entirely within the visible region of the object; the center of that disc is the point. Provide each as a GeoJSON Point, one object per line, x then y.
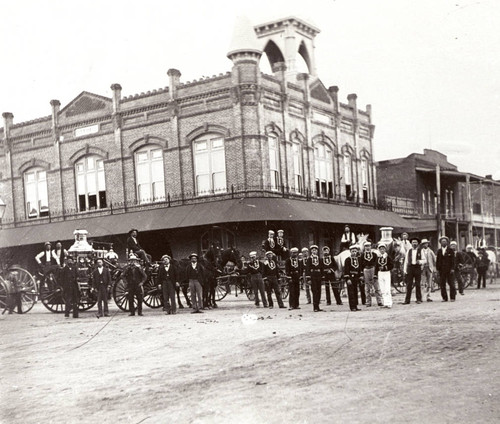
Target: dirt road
{"type": "Point", "coordinates": [430, 363]}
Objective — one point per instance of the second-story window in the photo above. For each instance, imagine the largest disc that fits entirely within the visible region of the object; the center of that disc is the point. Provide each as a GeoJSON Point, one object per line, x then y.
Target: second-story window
{"type": "Point", "coordinates": [323, 164]}
{"type": "Point", "coordinates": [348, 176]}
{"type": "Point", "coordinates": [210, 165]}
{"type": "Point", "coordinates": [149, 174]}
{"type": "Point", "coordinates": [297, 168]}
{"type": "Point", "coordinates": [274, 162]}
{"type": "Point", "coordinates": [36, 195]}
{"type": "Point", "coordinates": [90, 183]}
{"type": "Point", "coordinates": [424, 204]}
{"type": "Point", "coordinates": [364, 179]}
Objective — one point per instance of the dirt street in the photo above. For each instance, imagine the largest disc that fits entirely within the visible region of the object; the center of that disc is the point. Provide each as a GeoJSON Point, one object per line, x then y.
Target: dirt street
{"type": "Point", "coordinates": [430, 363]}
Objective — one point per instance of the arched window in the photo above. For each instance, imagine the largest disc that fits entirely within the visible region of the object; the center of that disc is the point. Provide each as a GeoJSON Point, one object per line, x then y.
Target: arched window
{"type": "Point", "coordinates": [348, 175]}
{"type": "Point", "coordinates": [364, 179]}
{"type": "Point", "coordinates": [90, 183]}
{"type": "Point", "coordinates": [149, 174]}
{"type": "Point", "coordinates": [297, 168]}
{"type": "Point", "coordinates": [218, 239]}
{"type": "Point", "coordinates": [323, 165]}
{"type": "Point", "coordinates": [35, 193]}
{"type": "Point", "coordinates": [274, 162]}
{"type": "Point", "coordinates": [210, 164]}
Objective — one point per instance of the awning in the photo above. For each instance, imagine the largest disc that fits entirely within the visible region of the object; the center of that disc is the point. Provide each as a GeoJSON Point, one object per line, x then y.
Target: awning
{"type": "Point", "coordinates": [202, 214]}
{"type": "Point", "coordinates": [423, 225]}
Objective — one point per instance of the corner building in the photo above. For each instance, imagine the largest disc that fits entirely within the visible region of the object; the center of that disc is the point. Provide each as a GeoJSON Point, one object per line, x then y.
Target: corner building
{"type": "Point", "coordinates": [221, 159]}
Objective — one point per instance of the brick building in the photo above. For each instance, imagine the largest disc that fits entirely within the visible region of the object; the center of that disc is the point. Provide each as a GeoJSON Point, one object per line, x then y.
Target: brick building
{"type": "Point", "coordinates": [219, 159]}
{"type": "Point", "coordinates": [438, 199]}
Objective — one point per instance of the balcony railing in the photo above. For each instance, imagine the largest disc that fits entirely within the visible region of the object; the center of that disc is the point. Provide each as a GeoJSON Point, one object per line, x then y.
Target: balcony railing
{"type": "Point", "coordinates": [186, 198]}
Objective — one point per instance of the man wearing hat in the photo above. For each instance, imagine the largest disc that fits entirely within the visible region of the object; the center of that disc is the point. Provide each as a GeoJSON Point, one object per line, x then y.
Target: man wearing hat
{"type": "Point", "coordinates": [368, 263]}
{"type": "Point", "coordinates": [348, 239]}
{"type": "Point", "coordinates": [461, 260]}
{"type": "Point", "coordinates": [135, 277]}
{"type": "Point", "coordinates": [269, 244]}
{"type": "Point", "coordinates": [47, 259]}
{"type": "Point", "coordinates": [315, 272]}
{"type": "Point", "coordinates": [413, 270]}
{"type": "Point", "coordinates": [445, 264]}
{"type": "Point", "coordinates": [405, 243]}
{"type": "Point", "coordinates": [428, 268]}
{"type": "Point", "coordinates": [306, 281]}
{"type": "Point", "coordinates": [281, 251]}
{"type": "Point", "coordinates": [293, 270]}
{"type": "Point", "coordinates": [352, 275]}
{"type": "Point", "coordinates": [134, 247]}
{"type": "Point", "coordinates": [256, 269]}
{"type": "Point", "coordinates": [195, 274]}
{"type": "Point", "coordinates": [271, 275]}
{"type": "Point", "coordinates": [101, 280]}
{"type": "Point", "coordinates": [329, 268]}
{"type": "Point", "coordinates": [470, 252]}
{"type": "Point", "coordinates": [383, 267]}
{"type": "Point", "coordinates": [168, 278]}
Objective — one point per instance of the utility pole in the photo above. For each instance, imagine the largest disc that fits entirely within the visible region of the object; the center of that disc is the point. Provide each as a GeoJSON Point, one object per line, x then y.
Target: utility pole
{"type": "Point", "coordinates": [440, 224]}
{"type": "Point", "coordinates": [469, 208]}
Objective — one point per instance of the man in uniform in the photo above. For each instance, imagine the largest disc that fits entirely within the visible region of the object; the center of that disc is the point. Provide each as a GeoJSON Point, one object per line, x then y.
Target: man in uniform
{"type": "Point", "coordinates": [269, 244]}
{"type": "Point", "coordinates": [101, 280]}
{"type": "Point", "coordinates": [445, 264]}
{"type": "Point", "coordinates": [168, 278]}
{"type": "Point", "coordinates": [352, 275]}
{"type": "Point", "coordinates": [280, 250]}
{"type": "Point", "coordinates": [256, 269]}
{"type": "Point", "coordinates": [71, 292]}
{"type": "Point", "coordinates": [413, 271]}
{"type": "Point", "coordinates": [305, 278]}
{"type": "Point", "coordinates": [315, 272]}
{"type": "Point", "coordinates": [428, 268]}
{"type": "Point", "coordinates": [368, 262]}
{"type": "Point", "coordinates": [271, 275]}
{"type": "Point", "coordinates": [135, 277]}
{"type": "Point", "coordinates": [293, 270]}
{"type": "Point", "coordinates": [383, 269]}
{"type": "Point", "coordinates": [195, 274]}
{"type": "Point", "coordinates": [329, 267]}
{"type": "Point", "coordinates": [135, 248]}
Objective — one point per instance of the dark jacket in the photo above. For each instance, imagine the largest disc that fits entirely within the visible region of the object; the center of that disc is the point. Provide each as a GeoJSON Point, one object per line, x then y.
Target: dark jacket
{"type": "Point", "coordinates": [194, 274]}
{"type": "Point", "coordinates": [314, 266]}
{"type": "Point", "coordinates": [368, 259]}
{"type": "Point", "coordinates": [134, 274]}
{"type": "Point", "coordinates": [172, 274]}
{"type": "Point", "coordinates": [384, 264]}
{"type": "Point", "coordinates": [132, 245]}
{"type": "Point", "coordinates": [101, 279]}
{"type": "Point", "coordinates": [67, 276]}
{"type": "Point", "coordinates": [483, 263]}
{"type": "Point", "coordinates": [272, 246]}
{"type": "Point", "coordinates": [293, 267]}
{"type": "Point", "coordinates": [445, 264]}
{"type": "Point", "coordinates": [352, 268]}
{"type": "Point", "coordinates": [253, 267]}
{"type": "Point", "coordinates": [270, 269]}
{"type": "Point", "coordinates": [329, 267]}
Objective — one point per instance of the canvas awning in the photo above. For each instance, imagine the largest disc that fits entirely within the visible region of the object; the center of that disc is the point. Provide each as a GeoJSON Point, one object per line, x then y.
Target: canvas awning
{"type": "Point", "coordinates": [202, 214]}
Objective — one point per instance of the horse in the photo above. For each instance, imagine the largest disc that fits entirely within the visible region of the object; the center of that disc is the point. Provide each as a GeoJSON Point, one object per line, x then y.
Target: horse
{"type": "Point", "coordinates": [493, 266]}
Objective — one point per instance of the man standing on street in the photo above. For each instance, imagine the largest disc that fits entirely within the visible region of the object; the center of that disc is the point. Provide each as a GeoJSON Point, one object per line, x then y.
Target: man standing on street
{"type": "Point", "coordinates": [445, 264]}
{"type": "Point", "coordinates": [101, 280]}
{"type": "Point", "coordinates": [329, 268]}
{"type": "Point", "coordinates": [413, 271]}
{"type": "Point", "coordinates": [195, 274]}
{"type": "Point", "coordinates": [315, 272]}
{"type": "Point", "coordinates": [305, 279]}
{"type": "Point", "coordinates": [69, 283]}
{"type": "Point", "coordinates": [429, 267]}
{"type": "Point", "coordinates": [293, 270]}
{"type": "Point", "coordinates": [256, 269]}
{"type": "Point", "coordinates": [368, 262]}
{"type": "Point", "coordinates": [168, 278]}
{"type": "Point", "coordinates": [352, 275]}
{"type": "Point", "coordinates": [271, 275]}
{"type": "Point", "coordinates": [135, 277]}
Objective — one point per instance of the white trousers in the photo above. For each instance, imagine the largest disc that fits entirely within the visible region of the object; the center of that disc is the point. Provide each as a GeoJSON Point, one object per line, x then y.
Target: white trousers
{"type": "Point", "coordinates": [384, 282]}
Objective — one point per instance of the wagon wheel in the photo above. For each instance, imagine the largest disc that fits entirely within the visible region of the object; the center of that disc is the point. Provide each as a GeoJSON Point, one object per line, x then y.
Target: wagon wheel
{"type": "Point", "coordinates": [220, 292]}
{"type": "Point", "coordinates": [51, 294]}
{"type": "Point", "coordinates": [153, 296]}
{"type": "Point", "coordinates": [283, 281]}
{"type": "Point", "coordinates": [3, 295]}
{"type": "Point", "coordinates": [120, 295]}
{"type": "Point", "coordinates": [87, 298]}
{"type": "Point", "coordinates": [248, 289]}
{"type": "Point", "coordinates": [27, 288]}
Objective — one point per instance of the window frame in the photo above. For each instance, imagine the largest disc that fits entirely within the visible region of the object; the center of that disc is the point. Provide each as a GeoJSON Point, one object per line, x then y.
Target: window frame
{"type": "Point", "coordinates": [151, 184]}
{"type": "Point", "coordinates": [99, 175]}
{"type": "Point", "coordinates": [324, 186]}
{"type": "Point", "coordinates": [40, 211]}
{"type": "Point", "coordinates": [211, 174]}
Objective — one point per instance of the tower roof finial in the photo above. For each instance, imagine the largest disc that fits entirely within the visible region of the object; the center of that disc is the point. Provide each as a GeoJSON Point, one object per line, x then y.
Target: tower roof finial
{"type": "Point", "coordinates": [244, 38]}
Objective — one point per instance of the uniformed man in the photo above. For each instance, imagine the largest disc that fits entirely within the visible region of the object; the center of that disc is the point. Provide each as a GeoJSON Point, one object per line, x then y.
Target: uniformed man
{"type": "Point", "coordinates": [413, 270]}
{"type": "Point", "coordinates": [135, 277]}
{"type": "Point", "coordinates": [306, 281]}
{"type": "Point", "coordinates": [368, 262]}
{"type": "Point", "coordinates": [271, 275]}
{"type": "Point", "coordinates": [293, 269]}
{"type": "Point", "coordinates": [329, 268]}
{"type": "Point", "coordinates": [315, 272]}
{"type": "Point", "coordinates": [255, 269]}
{"type": "Point", "coordinates": [383, 269]}
{"type": "Point", "coordinates": [352, 275]}
{"type": "Point", "coordinates": [71, 292]}
{"type": "Point", "coordinates": [269, 244]}
{"type": "Point", "coordinates": [280, 250]}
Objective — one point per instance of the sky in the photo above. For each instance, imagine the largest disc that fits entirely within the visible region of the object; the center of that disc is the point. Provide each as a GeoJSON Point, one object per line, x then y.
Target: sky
{"type": "Point", "coordinates": [429, 68]}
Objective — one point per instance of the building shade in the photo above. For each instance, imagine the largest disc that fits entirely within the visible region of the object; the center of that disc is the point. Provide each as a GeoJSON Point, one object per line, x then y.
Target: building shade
{"type": "Point", "coordinates": [200, 214]}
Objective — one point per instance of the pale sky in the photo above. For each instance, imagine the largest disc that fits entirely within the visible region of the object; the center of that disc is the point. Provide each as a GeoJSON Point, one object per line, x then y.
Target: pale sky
{"type": "Point", "coordinates": [429, 68]}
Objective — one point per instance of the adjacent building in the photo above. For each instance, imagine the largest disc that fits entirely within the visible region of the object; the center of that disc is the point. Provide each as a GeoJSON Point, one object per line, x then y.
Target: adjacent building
{"type": "Point", "coordinates": [216, 160]}
{"type": "Point", "coordinates": [438, 199]}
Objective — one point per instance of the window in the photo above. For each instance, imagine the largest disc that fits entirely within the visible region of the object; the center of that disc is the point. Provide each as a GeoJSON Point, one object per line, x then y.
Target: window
{"type": "Point", "coordinates": [297, 168]}
{"type": "Point", "coordinates": [36, 195]}
{"type": "Point", "coordinates": [348, 176]}
{"type": "Point", "coordinates": [476, 208]}
{"type": "Point", "coordinates": [424, 204]}
{"type": "Point", "coordinates": [210, 165]}
{"type": "Point", "coordinates": [364, 179]}
{"type": "Point", "coordinates": [274, 162]}
{"type": "Point", "coordinates": [452, 203]}
{"type": "Point", "coordinates": [149, 174]}
{"type": "Point", "coordinates": [323, 164]}
{"type": "Point", "coordinates": [429, 205]}
{"type": "Point", "coordinates": [90, 183]}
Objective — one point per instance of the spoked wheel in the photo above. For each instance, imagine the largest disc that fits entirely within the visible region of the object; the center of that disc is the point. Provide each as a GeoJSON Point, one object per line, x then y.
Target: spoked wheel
{"type": "Point", "coordinates": [248, 289]}
{"type": "Point", "coordinates": [51, 294]}
{"type": "Point", "coordinates": [21, 283]}
{"type": "Point", "coordinates": [220, 292]}
{"type": "Point", "coordinates": [3, 295]}
{"type": "Point", "coordinates": [153, 296]}
{"type": "Point", "coordinates": [283, 282]}
{"type": "Point", "coordinates": [87, 298]}
{"type": "Point", "coordinates": [398, 281]}
{"type": "Point", "coordinates": [120, 295]}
